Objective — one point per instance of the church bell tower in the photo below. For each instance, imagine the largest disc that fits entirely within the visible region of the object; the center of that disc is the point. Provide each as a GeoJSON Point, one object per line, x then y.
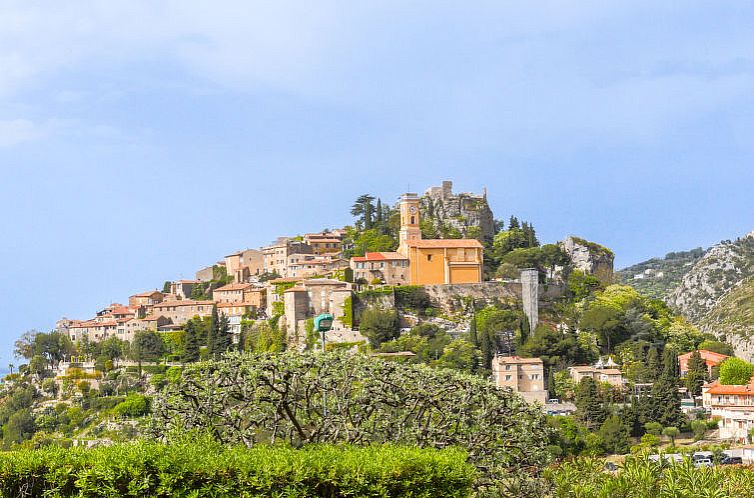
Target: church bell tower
{"type": "Point", "coordinates": [409, 207]}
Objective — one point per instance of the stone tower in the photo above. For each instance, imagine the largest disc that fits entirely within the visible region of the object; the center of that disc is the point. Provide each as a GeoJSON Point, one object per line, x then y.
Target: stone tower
{"type": "Point", "coordinates": [409, 207]}
{"type": "Point", "coordinates": [530, 295]}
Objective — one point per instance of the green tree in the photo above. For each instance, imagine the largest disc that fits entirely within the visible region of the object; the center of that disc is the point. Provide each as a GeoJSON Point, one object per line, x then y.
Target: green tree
{"type": "Point", "coordinates": [699, 428]}
{"type": "Point", "coordinates": [219, 339]}
{"type": "Point", "coordinates": [696, 374]}
{"type": "Point", "coordinates": [20, 427]}
{"type": "Point", "coordinates": [653, 428]}
{"type": "Point", "coordinates": [589, 407]}
{"type": "Point", "coordinates": [735, 371]}
{"type": "Point", "coordinates": [166, 287]}
{"type": "Point", "coordinates": [615, 435]}
{"type": "Point", "coordinates": [717, 347]}
{"type": "Point", "coordinates": [192, 342]}
{"type": "Point", "coordinates": [363, 208]}
{"type": "Point", "coordinates": [460, 355]}
{"type": "Point", "coordinates": [379, 325]}
{"type": "Point", "coordinates": [664, 405]}
{"type": "Point", "coordinates": [147, 346]}
{"type": "Point", "coordinates": [672, 433]}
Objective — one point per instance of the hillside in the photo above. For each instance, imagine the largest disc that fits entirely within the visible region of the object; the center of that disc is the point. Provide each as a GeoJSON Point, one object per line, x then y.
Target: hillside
{"type": "Point", "coordinates": [658, 277]}
{"type": "Point", "coordinates": [713, 276]}
{"type": "Point", "coordinates": [713, 288]}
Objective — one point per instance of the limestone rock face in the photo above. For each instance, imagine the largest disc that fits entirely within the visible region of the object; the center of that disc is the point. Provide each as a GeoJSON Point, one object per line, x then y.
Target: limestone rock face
{"type": "Point", "coordinates": [722, 269]}
{"type": "Point", "coordinates": [589, 257]}
{"type": "Point", "coordinates": [451, 214]}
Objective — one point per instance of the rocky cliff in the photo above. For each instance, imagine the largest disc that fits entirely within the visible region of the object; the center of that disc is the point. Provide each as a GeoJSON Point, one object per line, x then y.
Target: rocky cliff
{"type": "Point", "coordinates": [717, 273]}
{"type": "Point", "coordinates": [715, 289]}
{"type": "Point", "coordinates": [589, 257]}
{"type": "Point", "coordinates": [456, 215]}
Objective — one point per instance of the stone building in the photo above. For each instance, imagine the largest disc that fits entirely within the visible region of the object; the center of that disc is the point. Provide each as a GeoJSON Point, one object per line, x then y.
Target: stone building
{"type": "Point", "coordinates": [325, 243]}
{"type": "Point", "coordinates": [244, 264]}
{"type": "Point", "coordinates": [147, 299]}
{"type": "Point", "coordinates": [310, 298]}
{"type": "Point", "coordinates": [182, 289]}
{"type": "Point", "coordinates": [180, 312]}
{"type": "Point", "coordinates": [275, 256]}
{"type": "Point", "coordinates": [523, 375]}
{"type": "Point", "coordinates": [390, 268]}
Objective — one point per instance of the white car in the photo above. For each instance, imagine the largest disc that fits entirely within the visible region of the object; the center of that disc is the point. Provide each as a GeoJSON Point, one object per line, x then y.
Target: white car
{"type": "Point", "coordinates": [702, 462]}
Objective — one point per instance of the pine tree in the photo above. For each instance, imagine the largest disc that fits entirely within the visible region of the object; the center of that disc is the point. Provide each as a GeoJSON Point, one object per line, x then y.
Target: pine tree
{"type": "Point", "coordinates": [191, 343]}
{"type": "Point", "coordinates": [513, 224]}
{"type": "Point", "coordinates": [696, 374]}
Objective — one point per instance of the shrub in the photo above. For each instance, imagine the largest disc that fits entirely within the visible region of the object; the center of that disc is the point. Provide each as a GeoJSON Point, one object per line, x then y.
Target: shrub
{"type": "Point", "coordinates": [205, 468]}
{"type": "Point", "coordinates": [135, 405]}
{"type": "Point", "coordinates": [735, 371]}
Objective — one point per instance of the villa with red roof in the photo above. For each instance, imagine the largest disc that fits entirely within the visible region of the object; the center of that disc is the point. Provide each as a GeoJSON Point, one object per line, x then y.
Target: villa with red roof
{"type": "Point", "coordinates": [732, 406]}
{"type": "Point", "coordinates": [711, 358]}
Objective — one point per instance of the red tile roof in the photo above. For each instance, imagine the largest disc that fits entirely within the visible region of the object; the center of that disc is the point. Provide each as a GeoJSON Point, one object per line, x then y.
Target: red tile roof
{"type": "Point", "coordinates": [379, 256]}
{"type": "Point", "coordinates": [233, 287]}
{"type": "Point", "coordinates": [706, 355]}
{"type": "Point", "coordinates": [745, 390]}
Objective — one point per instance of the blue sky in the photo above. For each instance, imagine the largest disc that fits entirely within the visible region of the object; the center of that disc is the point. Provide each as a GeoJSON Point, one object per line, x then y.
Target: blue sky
{"type": "Point", "coordinates": [142, 140]}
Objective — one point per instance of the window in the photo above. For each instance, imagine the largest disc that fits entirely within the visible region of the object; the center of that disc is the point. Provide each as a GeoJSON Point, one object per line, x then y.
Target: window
{"type": "Point", "coordinates": [507, 367]}
{"type": "Point", "coordinates": [413, 220]}
{"type": "Point", "coordinates": [429, 257]}
{"type": "Point", "coordinates": [507, 377]}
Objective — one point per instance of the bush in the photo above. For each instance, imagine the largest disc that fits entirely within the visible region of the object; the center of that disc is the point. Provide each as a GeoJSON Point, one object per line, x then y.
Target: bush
{"type": "Point", "coordinates": [205, 468]}
{"type": "Point", "coordinates": [735, 371]}
{"type": "Point", "coordinates": [135, 405]}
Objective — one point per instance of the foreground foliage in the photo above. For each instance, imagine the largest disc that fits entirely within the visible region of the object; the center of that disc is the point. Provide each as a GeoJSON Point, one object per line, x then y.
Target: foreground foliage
{"type": "Point", "coordinates": [254, 399]}
{"type": "Point", "coordinates": [641, 478]}
{"type": "Point", "coordinates": [205, 468]}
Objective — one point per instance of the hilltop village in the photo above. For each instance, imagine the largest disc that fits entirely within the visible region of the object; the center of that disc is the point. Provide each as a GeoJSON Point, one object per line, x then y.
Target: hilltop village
{"type": "Point", "coordinates": [432, 279]}
{"type": "Point", "coordinates": [297, 278]}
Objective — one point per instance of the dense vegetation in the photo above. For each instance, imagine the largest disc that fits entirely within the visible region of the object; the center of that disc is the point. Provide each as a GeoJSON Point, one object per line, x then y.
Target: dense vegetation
{"type": "Point", "coordinates": [672, 267]}
{"type": "Point", "coordinates": [302, 399]}
{"type": "Point", "coordinates": [205, 468]}
{"type": "Point", "coordinates": [642, 478]}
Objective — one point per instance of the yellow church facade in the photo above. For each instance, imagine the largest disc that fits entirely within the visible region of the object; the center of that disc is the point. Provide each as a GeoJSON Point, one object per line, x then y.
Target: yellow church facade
{"type": "Point", "coordinates": [436, 261]}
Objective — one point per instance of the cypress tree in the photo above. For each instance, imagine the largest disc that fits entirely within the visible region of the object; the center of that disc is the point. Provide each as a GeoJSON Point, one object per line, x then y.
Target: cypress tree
{"type": "Point", "coordinates": [223, 339]}
{"type": "Point", "coordinates": [665, 403]}
{"type": "Point", "coordinates": [191, 343]}
{"type": "Point", "coordinates": [696, 374]}
{"type": "Point", "coordinates": [211, 340]}
{"type": "Point", "coordinates": [653, 364]}
{"type": "Point", "coordinates": [589, 406]}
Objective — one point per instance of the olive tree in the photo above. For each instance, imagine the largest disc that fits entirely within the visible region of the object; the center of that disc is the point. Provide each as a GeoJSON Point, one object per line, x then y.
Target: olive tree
{"type": "Point", "coordinates": [305, 398]}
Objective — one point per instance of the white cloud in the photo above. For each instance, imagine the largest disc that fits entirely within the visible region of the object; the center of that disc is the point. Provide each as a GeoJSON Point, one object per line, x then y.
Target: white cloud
{"type": "Point", "coordinates": [485, 72]}
{"type": "Point", "coordinates": [16, 131]}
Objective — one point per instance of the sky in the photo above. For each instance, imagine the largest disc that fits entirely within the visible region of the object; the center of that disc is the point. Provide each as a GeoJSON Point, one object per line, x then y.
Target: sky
{"type": "Point", "coordinates": [143, 140]}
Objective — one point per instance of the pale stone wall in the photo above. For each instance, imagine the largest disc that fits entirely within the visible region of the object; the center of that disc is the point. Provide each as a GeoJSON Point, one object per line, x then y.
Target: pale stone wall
{"type": "Point", "coordinates": [530, 296]}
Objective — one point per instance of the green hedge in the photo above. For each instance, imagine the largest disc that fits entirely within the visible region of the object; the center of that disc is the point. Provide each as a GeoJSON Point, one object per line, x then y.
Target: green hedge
{"type": "Point", "coordinates": [204, 468]}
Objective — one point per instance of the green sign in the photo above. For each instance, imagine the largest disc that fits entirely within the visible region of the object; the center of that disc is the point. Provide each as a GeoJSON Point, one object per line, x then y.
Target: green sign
{"type": "Point", "coordinates": [323, 322]}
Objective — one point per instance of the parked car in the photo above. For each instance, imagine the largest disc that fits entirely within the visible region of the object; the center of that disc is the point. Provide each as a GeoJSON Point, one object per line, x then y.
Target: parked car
{"type": "Point", "coordinates": [702, 462]}
{"type": "Point", "coordinates": [731, 460]}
